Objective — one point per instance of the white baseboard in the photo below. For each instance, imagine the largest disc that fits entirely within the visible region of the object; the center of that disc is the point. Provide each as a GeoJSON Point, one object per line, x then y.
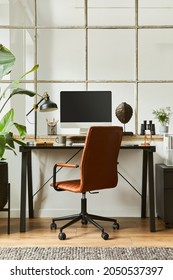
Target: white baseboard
{"type": "Point", "coordinates": [44, 213]}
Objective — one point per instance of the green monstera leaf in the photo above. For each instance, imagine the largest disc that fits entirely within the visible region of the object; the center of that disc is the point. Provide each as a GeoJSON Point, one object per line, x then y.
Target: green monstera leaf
{"type": "Point", "coordinates": [6, 135]}
{"type": "Point", "coordinates": [7, 60]}
{"type": "Point", "coordinates": [7, 124]}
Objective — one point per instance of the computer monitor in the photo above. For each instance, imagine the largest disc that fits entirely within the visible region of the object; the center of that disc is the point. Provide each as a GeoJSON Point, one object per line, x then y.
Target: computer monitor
{"type": "Point", "coordinates": [82, 109]}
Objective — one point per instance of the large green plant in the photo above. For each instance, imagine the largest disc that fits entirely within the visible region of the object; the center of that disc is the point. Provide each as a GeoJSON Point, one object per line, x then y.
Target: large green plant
{"type": "Point", "coordinates": [7, 123]}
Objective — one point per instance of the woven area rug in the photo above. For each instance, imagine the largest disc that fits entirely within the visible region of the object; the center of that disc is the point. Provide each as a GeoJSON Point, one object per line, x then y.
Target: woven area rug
{"type": "Point", "coordinates": [85, 253]}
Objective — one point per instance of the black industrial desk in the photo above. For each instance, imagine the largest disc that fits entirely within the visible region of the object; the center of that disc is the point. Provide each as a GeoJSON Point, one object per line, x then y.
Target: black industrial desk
{"type": "Point", "coordinates": [26, 174]}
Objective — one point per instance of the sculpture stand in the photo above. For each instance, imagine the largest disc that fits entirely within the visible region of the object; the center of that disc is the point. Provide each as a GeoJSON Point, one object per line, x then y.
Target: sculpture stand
{"type": "Point", "coordinates": [128, 133]}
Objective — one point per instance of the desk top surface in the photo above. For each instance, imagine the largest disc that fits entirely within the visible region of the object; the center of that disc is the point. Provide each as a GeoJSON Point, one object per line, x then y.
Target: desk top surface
{"type": "Point", "coordinates": [26, 148]}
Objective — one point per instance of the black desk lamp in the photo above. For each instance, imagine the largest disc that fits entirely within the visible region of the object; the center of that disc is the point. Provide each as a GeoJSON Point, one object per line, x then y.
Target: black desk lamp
{"type": "Point", "coordinates": [47, 106]}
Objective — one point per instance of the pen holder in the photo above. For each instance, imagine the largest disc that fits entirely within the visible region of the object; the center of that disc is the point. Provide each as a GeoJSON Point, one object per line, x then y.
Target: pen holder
{"type": "Point", "coordinates": [51, 128]}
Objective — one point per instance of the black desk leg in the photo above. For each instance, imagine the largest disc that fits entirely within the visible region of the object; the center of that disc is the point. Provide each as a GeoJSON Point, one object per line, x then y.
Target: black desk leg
{"type": "Point", "coordinates": [144, 185]}
{"type": "Point", "coordinates": [23, 194]}
{"type": "Point", "coordinates": [151, 192]}
{"type": "Point", "coordinates": [30, 188]}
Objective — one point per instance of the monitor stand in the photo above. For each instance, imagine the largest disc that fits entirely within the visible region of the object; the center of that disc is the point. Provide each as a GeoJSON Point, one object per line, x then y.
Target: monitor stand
{"type": "Point", "coordinates": [83, 131]}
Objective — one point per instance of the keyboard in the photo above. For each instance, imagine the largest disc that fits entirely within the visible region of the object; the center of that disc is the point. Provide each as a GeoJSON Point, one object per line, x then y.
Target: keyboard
{"type": "Point", "coordinates": [81, 144]}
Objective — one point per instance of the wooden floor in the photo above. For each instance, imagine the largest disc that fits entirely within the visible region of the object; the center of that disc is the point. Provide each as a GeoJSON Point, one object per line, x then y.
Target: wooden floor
{"type": "Point", "coordinates": [133, 232]}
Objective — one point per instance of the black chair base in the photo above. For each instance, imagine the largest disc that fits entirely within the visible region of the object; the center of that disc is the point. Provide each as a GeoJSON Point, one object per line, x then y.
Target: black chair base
{"type": "Point", "coordinates": [85, 218]}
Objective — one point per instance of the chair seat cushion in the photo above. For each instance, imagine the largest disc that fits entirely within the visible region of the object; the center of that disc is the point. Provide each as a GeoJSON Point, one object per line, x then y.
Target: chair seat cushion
{"type": "Point", "coordinates": [71, 185]}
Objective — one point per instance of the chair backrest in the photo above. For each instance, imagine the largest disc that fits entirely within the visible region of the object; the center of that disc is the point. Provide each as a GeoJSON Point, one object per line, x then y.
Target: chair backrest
{"type": "Point", "coordinates": [99, 158]}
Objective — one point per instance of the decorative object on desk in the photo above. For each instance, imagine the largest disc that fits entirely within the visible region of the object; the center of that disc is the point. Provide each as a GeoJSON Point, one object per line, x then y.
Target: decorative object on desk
{"type": "Point", "coordinates": [151, 127]}
{"type": "Point", "coordinates": [44, 143]}
{"type": "Point", "coordinates": [51, 127]}
{"type": "Point", "coordinates": [7, 123]}
{"type": "Point", "coordinates": [61, 140]}
{"type": "Point", "coordinates": [124, 113]}
{"type": "Point", "coordinates": [163, 116]}
{"type": "Point", "coordinates": [147, 138]}
{"type": "Point", "coordinates": [163, 129]}
{"type": "Point", "coordinates": [145, 126]}
{"type": "Point", "coordinates": [47, 106]}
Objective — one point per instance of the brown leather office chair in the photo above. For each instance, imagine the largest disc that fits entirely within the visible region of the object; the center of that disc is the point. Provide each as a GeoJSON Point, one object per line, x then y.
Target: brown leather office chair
{"type": "Point", "coordinates": [98, 171]}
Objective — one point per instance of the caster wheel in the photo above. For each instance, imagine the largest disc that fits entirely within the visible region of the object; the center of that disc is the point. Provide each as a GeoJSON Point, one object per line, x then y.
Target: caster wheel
{"type": "Point", "coordinates": [116, 226]}
{"type": "Point", "coordinates": [53, 226]}
{"type": "Point", "coordinates": [105, 236]}
{"type": "Point", "coordinates": [84, 222]}
{"type": "Point", "coordinates": [62, 236]}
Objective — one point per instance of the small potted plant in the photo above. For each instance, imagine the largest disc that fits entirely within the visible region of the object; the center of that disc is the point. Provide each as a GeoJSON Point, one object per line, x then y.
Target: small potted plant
{"type": "Point", "coordinates": [163, 116]}
{"type": "Point", "coordinates": [7, 122]}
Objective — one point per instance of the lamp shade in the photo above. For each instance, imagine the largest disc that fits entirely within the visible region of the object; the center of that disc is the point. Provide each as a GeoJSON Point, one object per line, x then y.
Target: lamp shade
{"type": "Point", "coordinates": [48, 105]}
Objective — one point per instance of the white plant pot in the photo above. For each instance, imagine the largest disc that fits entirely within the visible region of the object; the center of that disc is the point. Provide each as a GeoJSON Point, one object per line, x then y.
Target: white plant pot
{"type": "Point", "coordinates": [163, 129]}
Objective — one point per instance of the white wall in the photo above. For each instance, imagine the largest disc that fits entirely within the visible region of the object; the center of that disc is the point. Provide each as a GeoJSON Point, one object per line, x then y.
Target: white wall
{"type": "Point", "coordinates": [111, 52]}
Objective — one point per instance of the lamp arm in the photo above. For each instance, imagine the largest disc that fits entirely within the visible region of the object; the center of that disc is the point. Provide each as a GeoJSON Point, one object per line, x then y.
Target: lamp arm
{"type": "Point", "coordinates": [35, 106]}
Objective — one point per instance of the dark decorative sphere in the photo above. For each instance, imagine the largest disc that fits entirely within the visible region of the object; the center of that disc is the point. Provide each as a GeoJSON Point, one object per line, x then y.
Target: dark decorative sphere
{"type": "Point", "coordinates": [124, 112]}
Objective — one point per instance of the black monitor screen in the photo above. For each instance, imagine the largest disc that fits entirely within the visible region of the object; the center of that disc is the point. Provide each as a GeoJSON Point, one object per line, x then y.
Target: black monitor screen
{"type": "Point", "coordinates": [85, 106]}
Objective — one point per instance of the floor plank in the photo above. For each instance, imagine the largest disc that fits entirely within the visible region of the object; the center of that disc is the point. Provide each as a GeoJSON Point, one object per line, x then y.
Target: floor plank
{"type": "Point", "coordinates": [133, 232]}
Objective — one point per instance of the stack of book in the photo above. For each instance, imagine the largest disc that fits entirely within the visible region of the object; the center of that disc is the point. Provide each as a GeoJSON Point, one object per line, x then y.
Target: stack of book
{"type": "Point", "coordinates": [168, 149]}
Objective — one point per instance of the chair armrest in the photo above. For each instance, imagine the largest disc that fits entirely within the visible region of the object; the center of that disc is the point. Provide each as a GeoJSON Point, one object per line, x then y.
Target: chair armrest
{"type": "Point", "coordinates": [61, 165]}
{"type": "Point", "coordinates": [67, 165]}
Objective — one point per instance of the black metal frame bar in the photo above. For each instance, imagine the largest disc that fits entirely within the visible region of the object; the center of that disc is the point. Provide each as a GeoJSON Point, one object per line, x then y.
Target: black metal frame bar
{"type": "Point", "coordinates": [7, 209]}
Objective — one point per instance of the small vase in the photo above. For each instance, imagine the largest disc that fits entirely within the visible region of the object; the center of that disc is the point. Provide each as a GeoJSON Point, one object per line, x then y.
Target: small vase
{"type": "Point", "coordinates": [163, 129]}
